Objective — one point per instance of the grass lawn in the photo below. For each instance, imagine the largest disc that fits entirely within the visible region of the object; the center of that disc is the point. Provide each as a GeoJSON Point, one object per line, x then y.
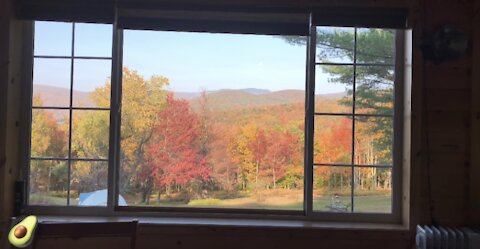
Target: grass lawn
{"type": "Point", "coordinates": [265, 199]}
{"type": "Point", "coordinates": [282, 200]}
{"type": "Point", "coordinates": [43, 199]}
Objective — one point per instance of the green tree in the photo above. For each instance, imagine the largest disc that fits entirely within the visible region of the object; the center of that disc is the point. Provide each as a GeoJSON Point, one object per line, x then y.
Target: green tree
{"type": "Point", "coordinates": [374, 91]}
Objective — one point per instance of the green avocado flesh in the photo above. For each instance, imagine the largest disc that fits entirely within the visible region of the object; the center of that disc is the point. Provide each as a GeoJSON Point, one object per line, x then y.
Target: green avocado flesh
{"type": "Point", "coordinates": [30, 223]}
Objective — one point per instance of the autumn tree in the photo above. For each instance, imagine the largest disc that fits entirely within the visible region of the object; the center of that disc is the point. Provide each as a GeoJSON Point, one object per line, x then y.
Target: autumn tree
{"type": "Point", "coordinates": [174, 156]}
{"type": "Point", "coordinates": [142, 99]}
{"type": "Point", "coordinates": [49, 139]}
{"type": "Point", "coordinates": [281, 154]}
{"type": "Point", "coordinates": [248, 149]}
{"type": "Point", "coordinates": [374, 84]}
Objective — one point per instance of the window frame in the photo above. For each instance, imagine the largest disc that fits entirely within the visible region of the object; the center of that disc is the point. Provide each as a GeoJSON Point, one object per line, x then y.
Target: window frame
{"type": "Point", "coordinates": [307, 214]}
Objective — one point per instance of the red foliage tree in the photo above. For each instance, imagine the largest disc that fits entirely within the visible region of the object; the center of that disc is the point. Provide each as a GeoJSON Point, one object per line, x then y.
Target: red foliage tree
{"type": "Point", "coordinates": [174, 155]}
{"type": "Point", "coordinates": [281, 153]}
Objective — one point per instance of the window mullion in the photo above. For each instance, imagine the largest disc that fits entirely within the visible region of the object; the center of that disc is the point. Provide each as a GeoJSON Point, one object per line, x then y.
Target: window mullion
{"type": "Point", "coordinates": [354, 81]}
{"type": "Point", "coordinates": [69, 164]}
{"type": "Point", "coordinates": [309, 119]}
{"type": "Point", "coordinates": [115, 103]}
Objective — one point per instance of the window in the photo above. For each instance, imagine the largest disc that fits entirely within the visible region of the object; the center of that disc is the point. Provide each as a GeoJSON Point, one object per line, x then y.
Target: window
{"type": "Point", "coordinates": [296, 125]}
{"type": "Point", "coordinates": [353, 119]}
{"type": "Point", "coordinates": [70, 121]}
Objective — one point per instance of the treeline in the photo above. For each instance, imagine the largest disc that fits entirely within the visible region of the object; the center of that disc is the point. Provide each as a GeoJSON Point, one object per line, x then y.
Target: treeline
{"type": "Point", "coordinates": [171, 150]}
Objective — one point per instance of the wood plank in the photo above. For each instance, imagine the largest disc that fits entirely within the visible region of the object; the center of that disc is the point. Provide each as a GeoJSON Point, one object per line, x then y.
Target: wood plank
{"type": "Point", "coordinates": [448, 100]}
{"type": "Point", "coordinates": [5, 8]}
{"type": "Point", "coordinates": [445, 76]}
{"type": "Point", "coordinates": [475, 119]}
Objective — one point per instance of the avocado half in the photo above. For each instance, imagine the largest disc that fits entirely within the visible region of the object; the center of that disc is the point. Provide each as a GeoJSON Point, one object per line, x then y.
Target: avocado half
{"type": "Point", "coordinates": [21, 235]}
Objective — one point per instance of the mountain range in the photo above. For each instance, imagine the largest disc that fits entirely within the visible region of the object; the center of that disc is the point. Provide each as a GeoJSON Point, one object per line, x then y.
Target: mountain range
{"type": "Point", "coordinates": [225, 99]}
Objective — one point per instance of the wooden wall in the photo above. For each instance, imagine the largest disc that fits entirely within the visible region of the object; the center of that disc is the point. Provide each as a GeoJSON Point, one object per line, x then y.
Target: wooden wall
{"type": "Point", "coordinates": [475, 125]}
{"type": "Point", "coordinates": [447, 98]}
{"type": "Point", "coordinates": [445, 167]}
{"type": "Point", "coordinates": [5, 15]}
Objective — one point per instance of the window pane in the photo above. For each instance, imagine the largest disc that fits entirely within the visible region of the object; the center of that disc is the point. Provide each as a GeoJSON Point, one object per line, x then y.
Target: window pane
{"type": "Point", "coordinates": [91, 83]}
{"type": "Point", "coordinates": [335, 44]}
{"type": "Point", "coordinates": [375, 46]}
{"type": "Point", "coordinates": [88, 183]}
{"type": "Point", "coordinates": [373, 190]}
{"type": "Point", "coordinates": [374, 90]}
{"type": "Point", "coordinates": [48, 182]}
{"type": "Point", "coordinates": [332, 140]}
{"type": "Point", "coordinates": [93, 40]}
{"type": "Point", "coordinates": [332, 189]}
{"type": "Point", "coordinates": [51, 82]}
{"type": "Point", "coordinates": [90, 134]}
{"type": "Point", "coordinates": [333, 89]}
{"type": "Point", "coordinates": [49, 133]}
{"type": "Point", "coordinates": [53, 38]}
{"type": "Point", "coordinates": [220, 126]}
{"type": "Point", "coordinates": [373, 141]}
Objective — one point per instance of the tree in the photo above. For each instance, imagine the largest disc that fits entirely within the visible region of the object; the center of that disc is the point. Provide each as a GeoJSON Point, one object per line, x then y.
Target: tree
{"type": "Point", "coordinates": [374, 91]}
{"type": "Point", "coordinates": [248, 149]}
{"type": "Point", "coordinates": [142, 99]}
{"type": "Point", "coordinates": [173, 155]}
{"type": "Point", "coordinates": [281, 154]}
{"type": "Point", "coordinates": [49, 139]}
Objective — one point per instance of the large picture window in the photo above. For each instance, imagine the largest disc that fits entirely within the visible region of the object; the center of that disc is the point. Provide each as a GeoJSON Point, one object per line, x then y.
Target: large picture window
{"type": "Point", "coordinates": [301, 125]}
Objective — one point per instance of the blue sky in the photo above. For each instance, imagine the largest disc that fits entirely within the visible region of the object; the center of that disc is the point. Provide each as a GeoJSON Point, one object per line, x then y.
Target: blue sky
{"type": "Point", "coordinates": [192, 61]}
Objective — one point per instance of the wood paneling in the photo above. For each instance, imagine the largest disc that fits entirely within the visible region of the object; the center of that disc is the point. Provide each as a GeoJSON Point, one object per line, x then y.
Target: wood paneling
{"type": "Point", "coordinates": [5, 8]}
{"type": "Point", "coordinates": [150, 237]}
{"type": "Point", "coordinates": [446, 110]}
{"type": "Point", "coordinates": [474, 173]}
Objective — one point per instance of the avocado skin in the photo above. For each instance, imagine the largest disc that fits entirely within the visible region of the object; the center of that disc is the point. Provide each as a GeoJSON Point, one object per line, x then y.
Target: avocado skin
{"type": "Point", "coordinates": [30, 223]}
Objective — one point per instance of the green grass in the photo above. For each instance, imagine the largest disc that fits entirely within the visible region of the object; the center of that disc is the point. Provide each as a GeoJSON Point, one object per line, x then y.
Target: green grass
{"type": "Point", "coordinates": [45, 199]}
{"type": "Point", "coordinates": [268, 199]}
{"type": "Point", "coordinates": [205, 202]}
{"type": "Point", "coordinates": [281, 200]}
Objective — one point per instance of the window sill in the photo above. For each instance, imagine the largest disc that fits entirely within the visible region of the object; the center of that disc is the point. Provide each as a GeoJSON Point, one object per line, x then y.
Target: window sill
{"type": "Point", "coordinates": [217, 222]}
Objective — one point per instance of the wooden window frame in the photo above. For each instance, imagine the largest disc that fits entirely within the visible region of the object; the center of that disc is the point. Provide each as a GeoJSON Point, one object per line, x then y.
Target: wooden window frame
{"type": "Point", "coordinates": [307, 214]}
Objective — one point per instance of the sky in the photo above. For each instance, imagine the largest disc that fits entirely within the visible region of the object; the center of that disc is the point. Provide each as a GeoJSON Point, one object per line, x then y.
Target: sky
{"type": "Point", "coordinates": [191, 61]}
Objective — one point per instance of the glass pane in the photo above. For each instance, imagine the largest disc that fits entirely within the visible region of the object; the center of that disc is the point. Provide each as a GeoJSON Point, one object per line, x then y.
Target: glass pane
{"type": "Point", "coordinates": [332, 140]}
{"type": "Point", "coordinates": [373, 190]}
{"type": "Point", "coordinates": [49, 133]}
{"type": "Point", "coordinates": [220, 126]}
{"type": "Point", "coordinates": [373, 141]}
{"type": "Point", "coordinates": [91, 83]}
{"type": "Point", "coordinates": [51, 82]}
{"type": "Point", "coordinates": [48, 182]}
{"type": "Point", "coordinates": [93, 39]}
{"type": "Point", "coordinates": [376, 46]}
{"type": "Point", "coordinates": [335, 44]}
{"type": "Point", "coordinates": [374, 90]}
{"type": "Point", "coordinates": [333, 89]}
{"type": "Point", "coordinates": [53, 38]}
{"type": "Point", "coordinates": [90, 134]}
{"type": "Point", "coordinates": [332, 190]}
{"type": "Point", "coordinates": [88, 183]}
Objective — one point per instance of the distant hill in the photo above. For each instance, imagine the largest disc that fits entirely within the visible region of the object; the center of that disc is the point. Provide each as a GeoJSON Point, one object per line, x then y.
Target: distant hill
{"type": "Point", "coordinates": [249, 90]}
{"type": "Point", "coordinates": [239, 99]}
{"type": "Point", "coordinates": [58, 96]}
{"type": "Point", "coordinates": [225, 99]}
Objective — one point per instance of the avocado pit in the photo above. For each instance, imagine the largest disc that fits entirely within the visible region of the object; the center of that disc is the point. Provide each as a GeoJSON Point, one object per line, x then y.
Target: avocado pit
{"type": "Point", "coordinates": [20, 232]}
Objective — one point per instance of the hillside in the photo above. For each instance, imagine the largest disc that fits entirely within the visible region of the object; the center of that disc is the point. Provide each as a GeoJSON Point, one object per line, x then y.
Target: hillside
{"type": "Point", "coordinates": [58, 96]}
{"type": "Point", "coordinates": [225, 99]}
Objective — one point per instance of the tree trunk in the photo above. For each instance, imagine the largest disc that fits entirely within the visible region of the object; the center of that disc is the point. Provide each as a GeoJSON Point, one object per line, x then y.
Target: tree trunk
{"type": "Point", "coordinates": [257, 166]}
{"type": "Point", "coordinates": [49, 177]}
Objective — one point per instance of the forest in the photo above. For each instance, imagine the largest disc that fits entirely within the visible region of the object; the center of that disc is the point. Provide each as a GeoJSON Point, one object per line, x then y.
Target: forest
{"type": "Point", "coordinates": [230, 148]}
